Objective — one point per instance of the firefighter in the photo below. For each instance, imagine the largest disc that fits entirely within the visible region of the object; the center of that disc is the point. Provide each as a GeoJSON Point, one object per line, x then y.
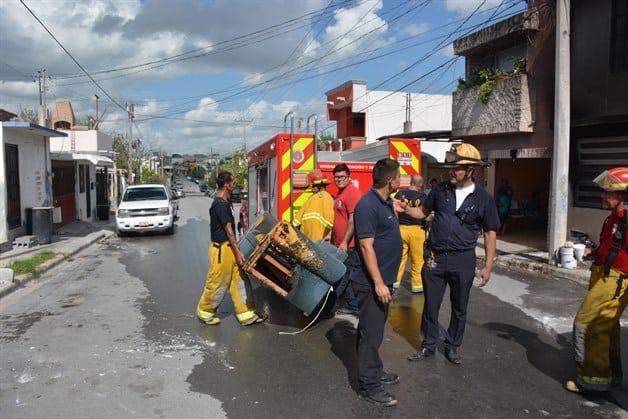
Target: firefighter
{"type": "Point", "coordinates": [596, 328]}
{"type": "Point", "coordinates": [316, 217]}
{"type": "Point", "coordinates": [463, 209]}
{"type": "Point", "coordinates": [225, 263]}
{"type": "Point", "coordinates": [412, 234]}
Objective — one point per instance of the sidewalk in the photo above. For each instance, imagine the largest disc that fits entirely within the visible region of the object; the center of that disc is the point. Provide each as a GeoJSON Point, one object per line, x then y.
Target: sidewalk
{"type": "Point", "coordinates": [524, 258]}
{"type": "Point", "coordinates": [67, 241]}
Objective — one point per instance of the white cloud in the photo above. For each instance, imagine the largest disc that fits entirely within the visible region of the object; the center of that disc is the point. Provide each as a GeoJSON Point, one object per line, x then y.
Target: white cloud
{"type": "Point", "coordinates": [447, 51]}
{"type": "Point", "coordinates": [416, 29]}
{"type": "Point", "coordinates": [105, 35]}
{"type": "Point", "coordinates": [464, 7]}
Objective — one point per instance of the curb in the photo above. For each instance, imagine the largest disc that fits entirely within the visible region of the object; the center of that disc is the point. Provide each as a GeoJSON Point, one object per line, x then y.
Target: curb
{"type": "Point", "coordinates": [21, 280]}
{"type": "Point", "coordinates": [580, 276]}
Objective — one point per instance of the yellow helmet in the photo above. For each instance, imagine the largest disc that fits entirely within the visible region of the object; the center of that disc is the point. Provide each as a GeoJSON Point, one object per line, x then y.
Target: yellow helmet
{"type": "Point", "coordinates": [464, 155]}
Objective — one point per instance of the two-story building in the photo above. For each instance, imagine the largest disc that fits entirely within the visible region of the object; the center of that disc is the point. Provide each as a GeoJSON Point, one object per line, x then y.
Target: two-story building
{"type": "Point", "coordinates": [363, 116]}
{"type": "Point", "coordinates": [513, 125]}
{"type": "Point", "coordinates": [84, 177]}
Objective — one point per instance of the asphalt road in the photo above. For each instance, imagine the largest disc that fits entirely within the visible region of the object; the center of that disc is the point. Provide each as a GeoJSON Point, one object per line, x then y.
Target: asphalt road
{"type": "Point", "coordinates": [112, 334]}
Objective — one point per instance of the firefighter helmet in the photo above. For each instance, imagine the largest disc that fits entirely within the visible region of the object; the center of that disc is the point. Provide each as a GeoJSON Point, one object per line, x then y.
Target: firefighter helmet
{"type": "Point", "coordinates": [463, 155]}
{"type": "Point", "coordinates": [613, 180]}
{"type": "Point", "coordinates": [316, 177]}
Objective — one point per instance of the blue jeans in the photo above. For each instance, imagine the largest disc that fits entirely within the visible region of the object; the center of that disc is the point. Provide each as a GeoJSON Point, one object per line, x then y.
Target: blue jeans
{"type": "Point", "coordinates": [344, 286]}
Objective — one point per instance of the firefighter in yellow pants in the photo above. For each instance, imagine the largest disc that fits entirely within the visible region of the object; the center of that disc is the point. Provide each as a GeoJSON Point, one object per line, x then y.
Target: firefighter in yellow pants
{"type": "Point", "coordinates": [225, 263]}
{"type": "Point", "coordinates": [225, 275]}
{"type": "Point", "coordinates": [597, 331]}
{"type": "Point", "coordinates": [413, 237]}
{"type": "Point", "coordinates": [596, 328]}
{"type": "Point", "coordinates": [412, 234]}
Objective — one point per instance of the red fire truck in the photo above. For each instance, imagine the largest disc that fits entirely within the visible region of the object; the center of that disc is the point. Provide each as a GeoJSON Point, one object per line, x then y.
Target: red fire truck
{"type": "Point", "coordinates": [278, 168]}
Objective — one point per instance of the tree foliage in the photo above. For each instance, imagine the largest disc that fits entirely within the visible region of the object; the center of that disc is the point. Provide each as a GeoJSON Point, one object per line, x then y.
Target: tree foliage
{"type": "Point", "coordinates": [321, 142]}
{"type": "Point", "coordinates": [89, 122]}
{"type": "Point", "coordinates": [27, 115]}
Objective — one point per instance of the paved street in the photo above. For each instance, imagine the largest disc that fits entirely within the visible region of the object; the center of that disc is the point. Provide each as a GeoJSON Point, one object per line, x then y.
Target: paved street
{"type": "Point", "coordinates": [112, 334]}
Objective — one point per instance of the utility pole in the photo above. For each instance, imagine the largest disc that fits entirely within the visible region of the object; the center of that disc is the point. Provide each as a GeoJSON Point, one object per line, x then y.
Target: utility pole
{"type": "Point", "coordinates": [96, 96]}
{"type": "Point", "coordinates": [129, 175]}
{"type": "Point", "coordinates": [41, 113]}
{"type": "Point", "coordinates": [407, 126]}
{"type": "Point", "coordinates": [559, 188]}
{"type": "Point", "coordinates": [244, 122]}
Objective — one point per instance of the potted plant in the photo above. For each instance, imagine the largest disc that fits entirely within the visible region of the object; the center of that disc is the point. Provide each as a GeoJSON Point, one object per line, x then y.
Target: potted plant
{"type": "Point", "coordinates": [462, 84]}
{"type": "Point", "coordinates": [501, 74]}
{"type": "Point", "coordinates": [518, 65]}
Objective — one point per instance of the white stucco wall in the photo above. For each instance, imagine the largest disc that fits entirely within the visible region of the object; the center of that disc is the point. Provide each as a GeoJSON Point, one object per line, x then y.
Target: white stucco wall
{"type": "Point", "coordinates": [78, 141]}
{"type": "Point", "coordinates": [34, 172]}
{"type": "Point", "coordinates": [386, 113]}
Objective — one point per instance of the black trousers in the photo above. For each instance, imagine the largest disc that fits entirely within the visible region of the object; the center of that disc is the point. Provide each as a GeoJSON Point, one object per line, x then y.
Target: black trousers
{"type": "Point", "coordinates": [457, 271]}
{"type": "Point", "coordinates": [372, 315]}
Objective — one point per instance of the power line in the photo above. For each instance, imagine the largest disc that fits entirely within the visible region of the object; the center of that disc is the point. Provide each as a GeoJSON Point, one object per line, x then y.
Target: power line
{"type": "Point", "coordinates": [72, 57]}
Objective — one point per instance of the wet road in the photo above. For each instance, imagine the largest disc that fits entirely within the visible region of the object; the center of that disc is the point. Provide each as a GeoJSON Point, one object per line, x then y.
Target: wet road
{"type": "Point", "coordinates": [112, 334]}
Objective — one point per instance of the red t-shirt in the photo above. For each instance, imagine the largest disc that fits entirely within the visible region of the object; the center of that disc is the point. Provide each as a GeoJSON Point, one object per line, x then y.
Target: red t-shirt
{"type": "Point", "coordinates": [606, 241]}
{"type": "Point", "coordinates": [344, 205]}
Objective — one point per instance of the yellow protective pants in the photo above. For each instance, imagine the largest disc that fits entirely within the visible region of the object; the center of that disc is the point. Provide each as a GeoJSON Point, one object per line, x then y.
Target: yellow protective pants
{"type": "Point", "coordinates": [413, 238]}
{"type": "Point", "coordinates": [596, 331]}
{"type": "Point", "coordinates": [225, 275]}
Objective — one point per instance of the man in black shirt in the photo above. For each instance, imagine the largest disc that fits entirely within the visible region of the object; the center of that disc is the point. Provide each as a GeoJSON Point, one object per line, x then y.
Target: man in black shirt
{"type": "Point", "coordinates": [225, 263]}
{"type": "Point", "coordinates": [463, 209]}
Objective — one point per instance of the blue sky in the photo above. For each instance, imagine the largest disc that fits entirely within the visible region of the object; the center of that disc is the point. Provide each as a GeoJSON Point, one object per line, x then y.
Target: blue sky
{"type": "Point", "coordinates": [203, 74]}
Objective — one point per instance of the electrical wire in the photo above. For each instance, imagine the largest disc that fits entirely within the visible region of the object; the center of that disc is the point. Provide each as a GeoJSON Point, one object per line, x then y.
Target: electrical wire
{"type": "Point", "coordinates": [72, 57]}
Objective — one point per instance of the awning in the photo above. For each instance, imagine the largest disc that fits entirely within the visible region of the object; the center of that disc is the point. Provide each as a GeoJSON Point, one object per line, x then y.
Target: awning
{"type": "Point", "coordinates": [94, 159]}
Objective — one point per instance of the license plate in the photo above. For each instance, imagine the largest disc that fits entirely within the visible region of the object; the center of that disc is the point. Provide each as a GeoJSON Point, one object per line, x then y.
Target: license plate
{"type": "Point", "coordinates": [143, 224]}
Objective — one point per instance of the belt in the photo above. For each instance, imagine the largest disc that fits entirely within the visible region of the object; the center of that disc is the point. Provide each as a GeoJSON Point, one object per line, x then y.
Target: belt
{"type": "Point", "coordinates": [448, 252]}
{"type": "Point", "coordinates": [219, 246]}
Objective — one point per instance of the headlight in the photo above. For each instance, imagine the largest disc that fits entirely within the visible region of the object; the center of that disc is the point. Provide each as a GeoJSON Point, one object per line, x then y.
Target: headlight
{"type": "Point", "coordinates": [164, 211]}
{"type": "Point", "coordinates": [122, 213]}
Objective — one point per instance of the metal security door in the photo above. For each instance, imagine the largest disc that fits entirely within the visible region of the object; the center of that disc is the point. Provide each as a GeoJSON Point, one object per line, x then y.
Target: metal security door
{"type": "Point", "coordinates": [12, 175]}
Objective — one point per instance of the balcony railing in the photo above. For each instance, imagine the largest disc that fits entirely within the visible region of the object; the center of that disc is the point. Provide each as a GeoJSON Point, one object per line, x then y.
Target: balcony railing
{"type": "Point", "coordinates": [510, 109]}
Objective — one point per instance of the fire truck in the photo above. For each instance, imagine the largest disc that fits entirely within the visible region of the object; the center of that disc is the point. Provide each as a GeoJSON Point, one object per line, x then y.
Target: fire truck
{"type": "Point", "coordinates": [278, 169]}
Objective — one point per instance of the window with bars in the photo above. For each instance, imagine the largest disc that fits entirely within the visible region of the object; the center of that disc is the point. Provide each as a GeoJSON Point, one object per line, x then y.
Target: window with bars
{"type": "Point", "coordinates": [619, 36]}
{"type": "Point", "coordinates": [594, 155]}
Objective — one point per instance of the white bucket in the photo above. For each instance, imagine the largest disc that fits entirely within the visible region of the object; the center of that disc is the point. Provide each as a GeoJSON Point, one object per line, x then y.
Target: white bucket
{"type": "Point", "coordinates": [566, 258]}
{"type": "Point", "coordinates": [578, 251]}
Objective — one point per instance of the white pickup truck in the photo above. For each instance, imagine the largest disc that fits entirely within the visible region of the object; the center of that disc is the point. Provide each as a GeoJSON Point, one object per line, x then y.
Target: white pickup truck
{"type": "Point", "coordinates": [150, 207]}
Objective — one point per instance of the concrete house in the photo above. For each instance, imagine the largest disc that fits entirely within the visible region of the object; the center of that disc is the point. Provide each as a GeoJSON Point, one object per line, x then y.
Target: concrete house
{"type": "Point", "coordinates": [599, 103]}
{"type": "Point", "coordinates": [83, 175]}
{"type": "Point", "coordinates": [363, 116]}
{"type": "Point", "coordinates": [26, 176]}
{"type": "Point", "coordinates": [514, 127]}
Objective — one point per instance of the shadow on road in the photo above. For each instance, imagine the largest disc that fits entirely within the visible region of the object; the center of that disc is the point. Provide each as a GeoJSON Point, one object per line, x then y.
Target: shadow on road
{"type": "Point", "coordinates": [554, 361]}
{"type": "Point", "coordinates": [342, 337]}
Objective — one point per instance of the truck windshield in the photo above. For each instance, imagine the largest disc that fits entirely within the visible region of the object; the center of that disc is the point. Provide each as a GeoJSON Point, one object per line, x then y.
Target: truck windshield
{"type": "Point", "coordinates": [144, 194]}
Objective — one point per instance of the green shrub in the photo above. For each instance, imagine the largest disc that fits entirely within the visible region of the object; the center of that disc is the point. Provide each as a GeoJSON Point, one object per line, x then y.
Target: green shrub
{"type": "Point", "coordinates": [485, 91]}
{"type": "Point", "coordinates": [30, 265]}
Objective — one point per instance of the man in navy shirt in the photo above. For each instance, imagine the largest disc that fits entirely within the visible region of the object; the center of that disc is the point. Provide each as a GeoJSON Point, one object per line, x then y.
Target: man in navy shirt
{"type": "Point", "coordinates": [463, 210]}
{"type": "Point", "coordinates": [378, 243]}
